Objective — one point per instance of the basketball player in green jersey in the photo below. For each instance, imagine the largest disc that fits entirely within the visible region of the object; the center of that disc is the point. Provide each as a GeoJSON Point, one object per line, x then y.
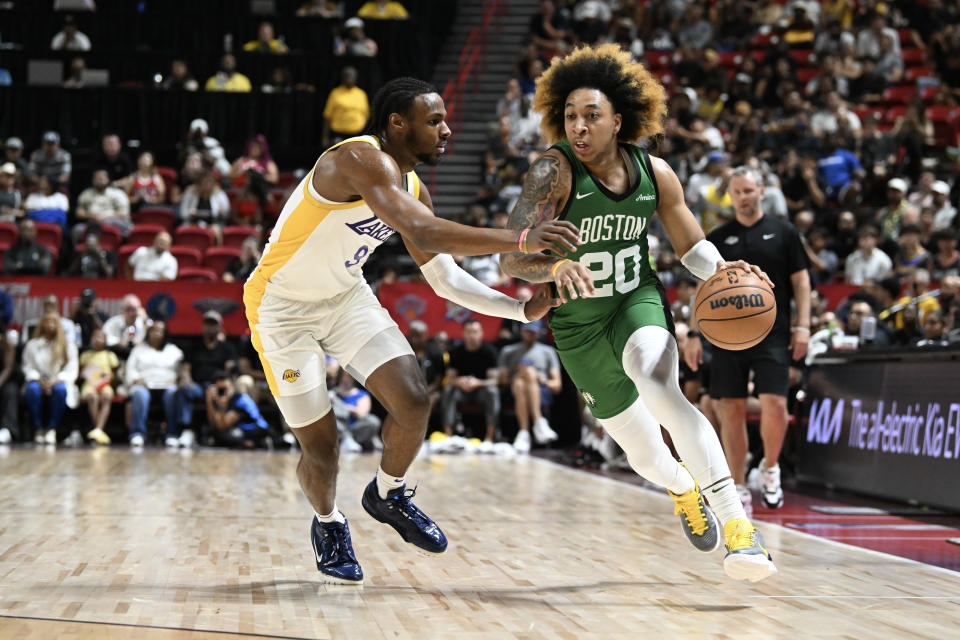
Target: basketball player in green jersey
{"type": "Point", "coordinates": [614, 334]}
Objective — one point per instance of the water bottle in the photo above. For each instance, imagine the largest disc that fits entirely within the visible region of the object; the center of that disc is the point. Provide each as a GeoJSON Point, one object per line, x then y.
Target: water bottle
{"type": "Point", "coordinates": [228, 43]}
{"type": "Point", "coordinates": [868, 330]}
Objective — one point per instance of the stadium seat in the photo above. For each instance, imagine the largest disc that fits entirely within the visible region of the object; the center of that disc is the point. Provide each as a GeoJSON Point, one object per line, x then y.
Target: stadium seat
{"type": "Point", "coordinates": [758, 55]}
{"type": "Point", "coordinates": [8, 234]}
{"type": "Point", "coordinates": [233, 236]}
{"type": "Point", "coordinates": [894, 112]}
{"type": "Point", "coordinates": [123, 256]}
{"type": "Point", "coordinates": [804, 57]}
{"type": "Point", "coordinates": [110, 238]}
{"type": "Point", "coordinates": [762, 40]}
{"type": "Point", "coordinates": [806, 74]}
{"type": "Point", "coordinates": [49, 234]}
{"type": "Point", "coordinates": [912, 73]}
{"type": "Point", "coordinates": [286, 179]}
{"type": "Point", "coordinates": [162, 216]}
{"type": "Point", "coordinates": [193, 236]}
{"type": "Point", "coordinates": [913, 57]}
{"type": "Point", "coordinates": [928, 94]}
{"type": "Point", "coordinates": [186, 255]}
{"type": "Point", "coordinates": [943, 113]}
{"type": "Point", "coordinates": [217, 258]}
{"type": "Point", "coordinates": [143, 234]}
{"type": "Point", "coordinates": [657, 60]}
{"type": "Point", "coordinates": [197, 274]}
{"type": "Point", "coordinates": [730, 59]}
{"type": "Point", "coordinates": [899, 95]}
{"type": "Point", "coordinates": [905, 36]}
{"type": "Point", "coordinates": [946, 120]}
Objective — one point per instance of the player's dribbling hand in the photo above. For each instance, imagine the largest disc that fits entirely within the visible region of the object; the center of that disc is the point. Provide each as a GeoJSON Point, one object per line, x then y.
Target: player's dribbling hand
{"type": "Point", "coordinates": [751, 268]}
{"type": "Point", "coordinates": [559, 236]}
{"type": "Point", "coordinates": [541, 302]}
{"type": "Point", "coordinates": [573, 280]}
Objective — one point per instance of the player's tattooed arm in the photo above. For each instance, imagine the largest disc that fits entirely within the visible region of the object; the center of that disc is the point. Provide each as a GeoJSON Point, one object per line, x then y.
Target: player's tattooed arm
{"type": "Point", "coordinates": [545, 189]}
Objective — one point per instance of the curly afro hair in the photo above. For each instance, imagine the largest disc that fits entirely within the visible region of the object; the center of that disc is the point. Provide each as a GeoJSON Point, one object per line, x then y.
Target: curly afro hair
{"type": "Point", "coordinates": [634, 92]}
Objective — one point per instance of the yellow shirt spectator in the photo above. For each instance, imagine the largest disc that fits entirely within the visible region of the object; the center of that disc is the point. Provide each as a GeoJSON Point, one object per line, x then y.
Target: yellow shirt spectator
{"type": "Point", "coordinates": [236, 82]}
{"type": "Point", "coordinates": [383, 11]}
{"type": "Point", "coordinates": [717, 208]}
{"type": "Point", "coordinates": [347, 110]}
{"type": "Point", "coordinates": [273, 46]}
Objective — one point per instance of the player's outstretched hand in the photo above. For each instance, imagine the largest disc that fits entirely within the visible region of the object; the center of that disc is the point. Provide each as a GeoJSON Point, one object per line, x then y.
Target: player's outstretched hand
{"type": "Point", "coordinates": [541, 302]}
{"type": "Point", "coordinates": [750, 268]}
{"type": "Point", "coordinates": [554, 235]}
{"type": "Point", "coordinates": [573, 280]}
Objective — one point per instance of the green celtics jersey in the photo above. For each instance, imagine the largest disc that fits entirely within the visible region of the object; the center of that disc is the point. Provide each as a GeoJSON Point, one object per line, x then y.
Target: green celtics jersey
{"type": "Point", "coordinates": [613, 233]}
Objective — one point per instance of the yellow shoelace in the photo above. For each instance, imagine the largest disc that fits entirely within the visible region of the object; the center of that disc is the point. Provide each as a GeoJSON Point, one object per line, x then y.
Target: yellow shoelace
{"type": "Point", "coordinates": [691, 507]}
{"type": "Point", "coordinates": [740, 536]}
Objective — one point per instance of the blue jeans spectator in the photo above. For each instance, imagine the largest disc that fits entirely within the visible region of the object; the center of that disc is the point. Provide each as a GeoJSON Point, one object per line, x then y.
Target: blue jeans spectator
{"type": "Point", "coordinates": [140, 398]}
{"type": "Point", "coordinates": [33, 397]}
{"type": "Point", "coordinates": [183, 403]}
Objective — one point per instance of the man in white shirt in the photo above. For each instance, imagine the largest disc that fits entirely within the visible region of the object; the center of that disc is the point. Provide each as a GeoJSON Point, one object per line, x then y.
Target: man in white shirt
{"type": "Point", "coordinates": [103, 204]}
{"type": "Point", "coordinates": [70, 38]}
{"type": "Point", "coordinates": [156, 263]}
{"type": "Point", "coordinates": [867, 262]}
{"type": "Point", "coordinates": [943, 212]}
{"type": "Point", "coordinates": [129, 328]}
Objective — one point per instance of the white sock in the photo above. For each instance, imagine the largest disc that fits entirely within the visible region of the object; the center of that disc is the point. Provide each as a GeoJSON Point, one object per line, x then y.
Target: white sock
{"type": "Point", "coordinates": [638, 434]}
{"type": "Point", "coordinates": [725, 501]}
{"type": "Point", "coordinates": [387, 483]}
{"type": "Point", "coordinates": [333, 516]}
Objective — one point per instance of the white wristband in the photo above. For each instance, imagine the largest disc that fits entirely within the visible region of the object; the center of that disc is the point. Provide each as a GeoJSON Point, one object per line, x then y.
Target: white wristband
{"type": "Point", "coordinates": [456, 285]}
{"type": "Point", "coordinates": [702, 259]}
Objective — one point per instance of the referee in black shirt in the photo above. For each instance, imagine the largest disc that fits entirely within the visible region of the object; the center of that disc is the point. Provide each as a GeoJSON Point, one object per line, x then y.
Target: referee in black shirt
{"type": "Point", "coordinates": [775, 246]}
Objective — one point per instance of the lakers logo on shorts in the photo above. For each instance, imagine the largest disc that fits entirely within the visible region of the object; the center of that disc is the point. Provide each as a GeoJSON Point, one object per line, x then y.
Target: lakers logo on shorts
{"type": "Point", "coordinates": [290, 375]}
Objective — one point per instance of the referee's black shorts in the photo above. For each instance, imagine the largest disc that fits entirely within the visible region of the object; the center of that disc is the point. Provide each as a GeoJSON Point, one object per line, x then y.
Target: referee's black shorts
{"type": "Point", "coordinates": [769, 361]}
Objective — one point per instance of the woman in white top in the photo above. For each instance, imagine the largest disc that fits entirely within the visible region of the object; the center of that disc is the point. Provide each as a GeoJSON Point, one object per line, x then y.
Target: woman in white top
{"type": "Point", "coordinates": [47, 204]}
{"type": "Point", "coordinates": [51, 370]}
{"type": "Point", "coordinates": [152, 371]}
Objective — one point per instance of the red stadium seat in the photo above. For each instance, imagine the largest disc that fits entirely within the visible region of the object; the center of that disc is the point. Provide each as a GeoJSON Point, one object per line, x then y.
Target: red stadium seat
{"type": "Point", "coordinates": [806, 74]}
{"type": "Point", "coordinates": [895, 112]}
{"type": "Point", "coordinates": [186, 256]}
{"type": "Point", "coordinates": [49, 234]}
{"type": "Point", "coordinates": [912, 73]}
{"type": "Point", "coordinates": [905, 36]}
{"type": "Point", "coordinates": [657, 60]}
{"type": "Point", "coordinates": [928, 94]}
{"type": "Point", "coordinates": [169, 175]}
{"type": "Point", "coordinates": [286, 179]}
{"type": "Point", "coordinates": [946, 120]}
{"type": "Point", "coordinates": [217, 258]}
{"type": "Point", "coordinates": [197, 274]}
{"type": "Point", "coordinates": [162, 216]}
{"type": "Point", "coordinates": [143, 234]}
{"type": "Point", "coordinates": [123, 256]}
{"type": "Point", "coordinates": [110, 238]}
{"type": "Point", "coordinates": [759, 55]}
{"type": "Point", "coordinates": [761, 40]}
{"type": "Point", "coordinates": [943, 113]}
{"type": "Point", "coordinates": [804, 57]}
{"type": "Point", "coordinates": [234, 236]}
{"type": "Point", "coordinates": [730, 58]}
{"type": "Point", "coordinates": [913, 57]}
{"type": "Point", "coordinates": [193, 236]}
{"type": "Point", "coordinates": [8, 234]}
{"type": "Point", "coordinates": [899, 95]}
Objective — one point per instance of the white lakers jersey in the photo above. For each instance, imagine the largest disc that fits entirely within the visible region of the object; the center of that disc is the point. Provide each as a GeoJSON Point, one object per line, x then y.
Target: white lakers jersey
{"type": "Point", "coordinates": [318, 247]}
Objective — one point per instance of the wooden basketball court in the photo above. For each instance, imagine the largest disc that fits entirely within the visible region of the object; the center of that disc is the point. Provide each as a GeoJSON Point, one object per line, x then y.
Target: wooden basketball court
{"type": "Point", "coordinates": [106, 543]}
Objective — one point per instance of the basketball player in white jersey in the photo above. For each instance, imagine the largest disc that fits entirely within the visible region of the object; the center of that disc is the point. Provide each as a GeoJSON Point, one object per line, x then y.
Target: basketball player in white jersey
{"type": "Point", "coordinates": [308, 296]}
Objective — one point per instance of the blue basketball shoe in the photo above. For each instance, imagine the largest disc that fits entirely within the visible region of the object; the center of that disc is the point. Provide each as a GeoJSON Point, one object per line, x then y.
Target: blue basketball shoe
{"type": "Point", "coordinates": [397, 510]}
{"type": "Point", "coordinates": [334, 552]}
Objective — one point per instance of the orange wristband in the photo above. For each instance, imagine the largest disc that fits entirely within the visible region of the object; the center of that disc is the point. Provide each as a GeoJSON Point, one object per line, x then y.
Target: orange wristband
{"type": "Point", "coordinates": [556, 265]}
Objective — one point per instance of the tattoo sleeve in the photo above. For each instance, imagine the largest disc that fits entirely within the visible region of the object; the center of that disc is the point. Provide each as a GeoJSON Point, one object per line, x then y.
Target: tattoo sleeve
{"type": "Point", "coordinates": [543, 188]}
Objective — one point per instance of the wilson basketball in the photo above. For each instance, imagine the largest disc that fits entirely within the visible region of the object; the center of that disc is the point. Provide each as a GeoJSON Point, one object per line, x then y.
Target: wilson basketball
{"type": "Point", "coordinates": [735, 309]}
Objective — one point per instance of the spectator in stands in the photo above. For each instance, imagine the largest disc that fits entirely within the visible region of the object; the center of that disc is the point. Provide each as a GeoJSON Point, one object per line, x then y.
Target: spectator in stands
{"type": "Point", "coordinates": [867, 262]}
{"type": "Point", "coordinates": [200, 368]}
{"type": "Point", "coordinates": [693, 30]}
{"type": "Point", "coordinates": [845, 239]}
{"type": "Point", "coordinates": [354, 41]}
{"type": "Point", "coordinates": [472, 377]}
{"type": "Point", "coordinates": [383, 10]}
{"type": "Point", "coordinates": [13, 152]}
{"type": "Point", "coordinates": [321, 8]}
{"type": "Point", "coordinates": [532, 370]}
{"type": "Point", "coordinates": [359, 429]}
{"type": "Point", "coordinates": [833, 39]}
{"type": "Point", "coordinates": [11, 201]}
{"type": "Point", "coordinates": [911, 255]}
{"type": "Point", "coordinates": [26, 257]}
{"type": "Point", "coordinates": [75, 76]}
{"type": "Point", "coordinates": [946, 261]}
{"type": "Point", "coordinates": [128, 328]}
{"type": "Point", "coordinates": [826, 122]}
{"type": "Point", "coordinates": [98, 366]}
{"type": "Point", "coordinates": [878, 149]}
{"type": "Point", "coordinates": [102, 204]}
{"type": "Point", "coordinates": [228, 78]}
{"type": "Point", "coordinates": [347, 109]}
{"type": "Point", "coordinates": [50, 370]}
{"type": "Point", "coordinates": [50, 305]}
{"type": "Point", "coordinates": [256, 160]}
{"type": "Point", "coordinates": [266, 41]}
{"type": "Point", "coordinates": [234, 416]}
{"type": "Point", "coordinates": [898, 211]}
{"type": "Point", "coordinates": [549, 29]}
{"type": "Point", "coordinates": [113, 158]}
{"type": "Point", "coordinates": [824, 263]}
{"type": "Point", "coordinates": [841, 172]}
{"type": "Point", "coordinates": [934, 334]}
{"type": "Point", "coordinates": [914, 132]}
{"type": "Point", "coordinates": [431, 359]}
{"type": "Point", "coordinates": [152, 372]}
{"type": "Point", "coordinates": [70, 38]}
{"type": "Point", "coordinates": [46, 204]}
{"type": "Point", "coordinates": [87, 317]}
{"type": "Point", "coordinates": [240, 268]}
{"type": "Point", "coordinates": [51, 161]}
{"type": "Point", "coordinates": [9, 381]}
{"type": "Point", "coordinates": [180, 78]}
{"type": "Point", "coordinates": [591, 21]}
{"type": "Point", "coordinates": [154, 263]}
{"type": "Point", "coordinates": [92, 260]}
{"type": "Point", "coordinates": [870, 41]}
{"type": "Point", "coordinates": [205, 204]}
{"type": "Point", "coordinates": [145, 186]}
{"type": "Point", "coordinates": [923, 196]}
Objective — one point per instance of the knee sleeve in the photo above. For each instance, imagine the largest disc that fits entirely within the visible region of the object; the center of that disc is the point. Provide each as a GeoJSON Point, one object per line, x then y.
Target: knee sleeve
{"type": "Point", "coordinates": [306, 408]}
{"type": "Point", "coordinates": [651, 359]}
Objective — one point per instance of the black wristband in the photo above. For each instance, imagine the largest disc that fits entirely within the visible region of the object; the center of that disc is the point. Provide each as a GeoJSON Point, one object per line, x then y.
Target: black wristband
{"type": "Point", "coordinates": [693, 334]}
